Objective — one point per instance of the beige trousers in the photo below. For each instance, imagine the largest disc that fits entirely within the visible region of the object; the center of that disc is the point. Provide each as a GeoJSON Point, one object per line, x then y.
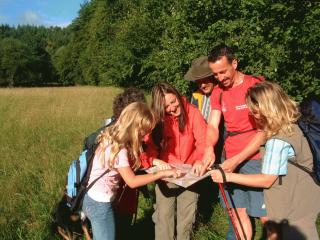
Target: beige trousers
{"type": "Point", "coordinates": [174, 201]}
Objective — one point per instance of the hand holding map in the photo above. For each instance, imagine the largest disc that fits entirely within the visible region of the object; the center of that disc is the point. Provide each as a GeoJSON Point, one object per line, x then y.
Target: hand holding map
{"type": "Point", "coordinates": [187, 178]}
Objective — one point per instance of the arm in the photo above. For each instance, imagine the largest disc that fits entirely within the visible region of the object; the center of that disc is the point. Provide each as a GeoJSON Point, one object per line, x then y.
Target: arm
{"type": "Point", "coordinates": [150, 152]}
{"type": "Point", "coordinates": [162, 165]}
{"type": "Point", "coordinates": [251, 148]}
{"type": "Point", "coordinates": [212, 136]}
{"type": "Point", "coordinates": [134, 181]}
{"type": "Point", "coordinates": [199, 128]}
{"type": "Point", "coordinates": [252, 180]}
{"type": "Point", "coordinates": [275, 163]}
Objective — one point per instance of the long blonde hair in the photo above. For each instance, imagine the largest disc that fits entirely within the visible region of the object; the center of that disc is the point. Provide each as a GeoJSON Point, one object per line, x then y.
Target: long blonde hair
{"type": "Point", "coordinates": [276, 111]}
{"type": "Point", "coordinates": [134, 122]}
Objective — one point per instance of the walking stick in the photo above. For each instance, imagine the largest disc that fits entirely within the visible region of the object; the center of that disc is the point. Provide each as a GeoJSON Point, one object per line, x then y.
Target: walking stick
{"type": "Point", "coordinates": [231, 216]}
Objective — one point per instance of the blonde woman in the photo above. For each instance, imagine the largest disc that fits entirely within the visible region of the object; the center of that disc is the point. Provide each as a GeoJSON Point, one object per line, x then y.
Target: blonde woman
{"type": "Point", "coordinates": [119, 151]}
{"type": "Point", "coordinates": [291, 195]}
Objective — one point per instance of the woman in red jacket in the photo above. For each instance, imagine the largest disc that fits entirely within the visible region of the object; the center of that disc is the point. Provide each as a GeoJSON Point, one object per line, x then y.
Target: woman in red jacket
{"type": "Point", "coordinates": [179, 137]}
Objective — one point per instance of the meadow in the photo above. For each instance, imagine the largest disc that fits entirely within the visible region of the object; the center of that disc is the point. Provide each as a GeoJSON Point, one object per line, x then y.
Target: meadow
{"type": "Point", "coordinates": [42, 130]}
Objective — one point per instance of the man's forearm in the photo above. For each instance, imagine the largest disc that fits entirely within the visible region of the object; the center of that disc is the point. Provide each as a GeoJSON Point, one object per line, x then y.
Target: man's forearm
{"type": "Point", "coordinates": [211, 136]}
{"type": "Point", "coordinates": [252, 147]}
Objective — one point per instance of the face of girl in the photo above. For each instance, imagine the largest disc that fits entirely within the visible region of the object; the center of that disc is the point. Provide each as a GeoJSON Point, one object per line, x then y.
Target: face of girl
{"type": "Point", "coordinates": [257, 116]}
{"type": "Point", "coordinates": [172, 106]}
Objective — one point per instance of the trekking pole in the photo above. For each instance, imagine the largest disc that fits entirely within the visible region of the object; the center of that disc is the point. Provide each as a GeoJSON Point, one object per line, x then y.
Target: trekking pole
{"type": "Point", "coordinates": [221, 188]}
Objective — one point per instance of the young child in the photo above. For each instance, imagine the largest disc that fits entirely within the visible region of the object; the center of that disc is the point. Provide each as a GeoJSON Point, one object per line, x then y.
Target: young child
{"type": "Point", "coordinates": [290, 193]}
{"type": "Point", "coordinates": [117, 144]}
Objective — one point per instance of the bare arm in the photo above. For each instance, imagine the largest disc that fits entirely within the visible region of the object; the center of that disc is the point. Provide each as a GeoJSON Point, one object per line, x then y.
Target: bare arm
{"type": "Point", "coordinates": [212, 136]}
{"type": "Point", "coordinates": [134, 181]}
{"type": "Point", "coordinates": [252, 180]}
{"type": "Point", "coordinates": [162, 165]}
{"type": "Point", "coordinates": [252, 147]}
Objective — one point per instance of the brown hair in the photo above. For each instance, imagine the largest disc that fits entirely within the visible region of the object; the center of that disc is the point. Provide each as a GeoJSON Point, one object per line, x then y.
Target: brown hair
{"type": "Point", "coordinates": [158, 106]}
{"type": "Point", "coordinates": [220, 51]}
{"type": "Point", "coordinates": [128, 96]}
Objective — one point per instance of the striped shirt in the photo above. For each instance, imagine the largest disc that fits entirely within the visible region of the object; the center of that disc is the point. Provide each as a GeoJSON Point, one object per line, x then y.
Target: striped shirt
{"type": "Point", "coordinates": [202, 102]}
{"type": "Point", "coordinates": [275, 159]}
{"type": "Point", "coordinates": [206, 107]}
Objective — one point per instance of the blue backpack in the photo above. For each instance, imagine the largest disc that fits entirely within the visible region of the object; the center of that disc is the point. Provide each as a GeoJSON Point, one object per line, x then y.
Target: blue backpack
{"type": "Point", "coordinates": [310, 126]}
{"type": "Point", "coordinates": [79, 172]}
{"type": "Point", "coordinates": [78, 178]}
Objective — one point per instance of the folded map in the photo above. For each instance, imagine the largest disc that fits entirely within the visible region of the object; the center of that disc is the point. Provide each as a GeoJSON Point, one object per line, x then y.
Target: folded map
{"type": "Point", "coordinates": [187, 178]}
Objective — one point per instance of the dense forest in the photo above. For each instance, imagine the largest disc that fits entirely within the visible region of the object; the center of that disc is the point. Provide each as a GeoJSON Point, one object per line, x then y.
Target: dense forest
{"type": "Point", "coordinates": [140, 42]}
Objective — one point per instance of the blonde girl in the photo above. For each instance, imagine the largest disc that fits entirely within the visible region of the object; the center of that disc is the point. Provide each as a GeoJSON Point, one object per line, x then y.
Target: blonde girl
{"type": "Point", "coordinates": [291, 195]}
{"type": "Point", "coordinates": [117, 144]}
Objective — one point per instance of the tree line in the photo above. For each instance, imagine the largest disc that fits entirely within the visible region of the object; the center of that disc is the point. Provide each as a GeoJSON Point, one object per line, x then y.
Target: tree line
{"type": "Point", "coordinates": [141, 42]}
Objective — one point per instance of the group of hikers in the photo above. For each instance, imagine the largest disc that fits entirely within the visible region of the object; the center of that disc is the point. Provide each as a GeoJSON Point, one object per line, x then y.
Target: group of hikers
{"type": "Point", "coordinates": [260, 138]}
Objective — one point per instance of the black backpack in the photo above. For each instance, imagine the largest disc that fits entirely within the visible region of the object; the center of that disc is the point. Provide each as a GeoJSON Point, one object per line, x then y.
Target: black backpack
{"type": "Point", "coordinates": [309, 123]}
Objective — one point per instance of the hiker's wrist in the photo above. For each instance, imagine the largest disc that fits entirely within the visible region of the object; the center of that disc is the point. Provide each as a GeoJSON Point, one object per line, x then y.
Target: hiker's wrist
{"type": "Point", "coordinates": [229, 177]}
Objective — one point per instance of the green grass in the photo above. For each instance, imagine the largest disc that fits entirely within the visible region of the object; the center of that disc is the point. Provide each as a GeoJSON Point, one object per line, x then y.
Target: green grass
{"type": "Point", "coordinates": [42, 130]}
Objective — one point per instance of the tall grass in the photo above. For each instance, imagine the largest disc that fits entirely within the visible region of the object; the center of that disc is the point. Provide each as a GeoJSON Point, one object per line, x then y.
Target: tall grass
{"type": "Point", "coordinates": [42, 130]}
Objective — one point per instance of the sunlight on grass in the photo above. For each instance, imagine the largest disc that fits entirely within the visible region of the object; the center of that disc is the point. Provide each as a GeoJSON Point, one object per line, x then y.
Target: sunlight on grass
{"type": "Point", "coordinates": [42, 130]}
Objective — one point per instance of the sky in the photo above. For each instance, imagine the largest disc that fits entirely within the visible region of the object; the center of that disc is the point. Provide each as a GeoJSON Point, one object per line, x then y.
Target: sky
{"type": "Point", "coordinates": [39, 12]}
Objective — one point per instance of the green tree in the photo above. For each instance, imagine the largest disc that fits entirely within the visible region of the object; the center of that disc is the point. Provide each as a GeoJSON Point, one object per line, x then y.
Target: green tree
{"type": "Point", "coordinates": [14, 62]}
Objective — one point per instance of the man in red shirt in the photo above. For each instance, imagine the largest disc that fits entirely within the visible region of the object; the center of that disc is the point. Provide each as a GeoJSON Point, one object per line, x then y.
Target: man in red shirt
{"type": "Point", "coordinates": [243, 140]}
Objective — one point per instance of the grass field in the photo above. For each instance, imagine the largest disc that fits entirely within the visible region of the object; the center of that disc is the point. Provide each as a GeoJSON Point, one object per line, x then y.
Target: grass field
{"type": "Point", "coordinates": [42, 130]}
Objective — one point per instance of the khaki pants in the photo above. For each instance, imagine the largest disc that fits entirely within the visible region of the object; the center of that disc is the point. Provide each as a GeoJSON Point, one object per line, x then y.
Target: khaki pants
{"type": "Point", "coordinates": [171, 201]}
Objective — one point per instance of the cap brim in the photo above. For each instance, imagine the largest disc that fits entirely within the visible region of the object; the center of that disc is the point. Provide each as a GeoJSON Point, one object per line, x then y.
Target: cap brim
{"type": "Point", "coordinates": [189, 76]}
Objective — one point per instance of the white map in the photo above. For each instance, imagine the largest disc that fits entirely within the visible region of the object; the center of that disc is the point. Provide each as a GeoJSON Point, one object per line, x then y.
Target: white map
{"type": "Point", "coordinates": [187, 178]}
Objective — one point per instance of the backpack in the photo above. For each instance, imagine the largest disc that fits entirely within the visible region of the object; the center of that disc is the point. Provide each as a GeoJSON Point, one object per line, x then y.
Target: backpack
{"type": "Point", "coordinates": [78, 178]}
{"type": "Point", "coordinates": [79, 172]}
{"type": "Point", "coordinates": [90, 140]}
{"type": "Point", "coordinates": [68, 219]}
{"type": "Point", "coordinates": [309, 123]}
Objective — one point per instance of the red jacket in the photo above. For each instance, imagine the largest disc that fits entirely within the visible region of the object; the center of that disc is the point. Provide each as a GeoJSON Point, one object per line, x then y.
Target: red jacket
{"type": "Point", "coordinates": [180, 147]}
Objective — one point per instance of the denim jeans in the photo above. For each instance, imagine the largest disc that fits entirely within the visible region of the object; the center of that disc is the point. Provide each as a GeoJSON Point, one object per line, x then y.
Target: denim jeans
{"type": "Point", "coordinates": [101, 217]}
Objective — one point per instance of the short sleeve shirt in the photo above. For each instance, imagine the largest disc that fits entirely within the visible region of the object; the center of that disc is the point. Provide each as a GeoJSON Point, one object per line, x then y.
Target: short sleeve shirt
{"type": "Point", "coordinates": [232, 103]}
{"type": "Point", "coordinates": [105, 189]}
{"type": "Point", "coordinates": [275, 160]}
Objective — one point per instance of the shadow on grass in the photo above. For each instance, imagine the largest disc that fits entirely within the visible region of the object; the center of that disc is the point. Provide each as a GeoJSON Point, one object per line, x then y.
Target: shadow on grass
{"type": "Point", "coordinates": [144, 227]}
{"type": "Point", "coordinates": [208, 198]}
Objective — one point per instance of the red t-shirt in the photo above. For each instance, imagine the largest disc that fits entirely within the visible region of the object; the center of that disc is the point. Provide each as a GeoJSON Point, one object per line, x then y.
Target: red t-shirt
{"type": "Point", "coordinates": [236, 115]}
